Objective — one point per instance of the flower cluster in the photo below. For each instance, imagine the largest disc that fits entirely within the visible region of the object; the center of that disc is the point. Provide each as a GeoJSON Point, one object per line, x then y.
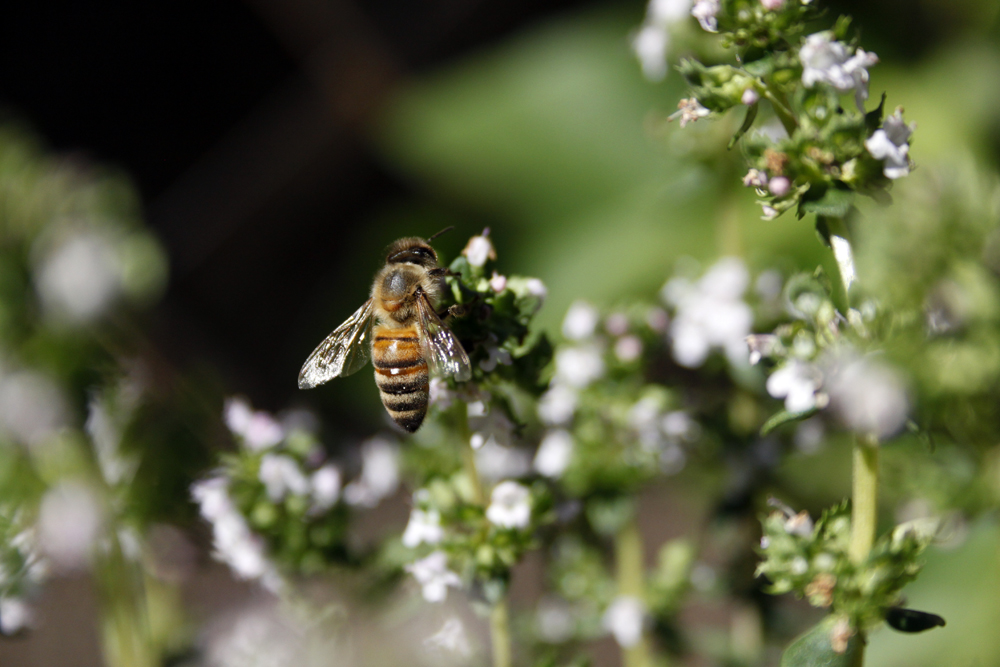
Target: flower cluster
{"type": "Point", "coordinates": [823, 153]}
{"type": "Point", "coordinates": [278, 503]}
{"type": "Point", "coordinates": [813, 562]}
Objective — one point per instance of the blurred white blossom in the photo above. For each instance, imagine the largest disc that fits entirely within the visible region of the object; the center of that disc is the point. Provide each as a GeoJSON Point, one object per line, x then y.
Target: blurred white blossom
{"type": "Point", "coordinates": [510, 505]}
{"type": "Point", "coordinates": [555, 620]}
{"type": "Point", "coordinates": [891, 145]}
{"type": "Point", "coordinates": [868, 396]}
{"type": "Point", "coordinates": [451, 638]}
{"type": "Point", "coordinates": [557, 405]}
{"type": "Point", "coordinates": [689, 110]}
{"type": "Point", "coordinates": [625, 619]}
{"type": "Point", "coordinates": [70, 521]}
{"type": "Point", "coordinates": [496, 461]}
{"type": "Point", "coordinates": [258, 430]}
{"type": "Point", "coordinates": [579, 365]}
{"type": "Point", "coordinates": [32, 406]}
{"type": "Point", "coordinates": [434, 577]}
{"type": "Point", "coordinates": [325, 485]}
{"type": "Point", "coordinates": [798, 383]}
{"type": "Point", "coordinates": [498, 283]}
{"type": "Point", "coordinates": [80, 277]}
{"type": "Point", "coordinates": [710, 314]}
{"type": "Point", "coordinates": [235, 544]}
{"type": "Point", "coordinates": [424, 527]}
{"type": "Point", "coordinates": [581, 321]}
{"type": "Point", "coordinates": [15, 615]}
{"type": "Point", "coordinates": [554, 453]}
{"type": "Point", "coordinates": [379, 474]}
{"type": "Point", "coordinates": [259, 636]}
{"type": "Point", "coordinates": [281, 475]}
{"type": "Point", "coordinates": [651, 41]}
{"type": "Point", "coordinates": [628, 348]}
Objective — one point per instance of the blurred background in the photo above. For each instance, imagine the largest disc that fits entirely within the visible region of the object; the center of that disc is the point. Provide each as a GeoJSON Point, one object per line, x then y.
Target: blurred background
{"type": "Point", "coordinates": [278, 146]}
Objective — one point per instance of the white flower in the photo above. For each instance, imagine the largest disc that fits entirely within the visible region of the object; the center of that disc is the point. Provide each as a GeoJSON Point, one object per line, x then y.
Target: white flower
{"type": "Point", "coordinates": [488, 426]}
{"type": "Point", "coordinates": [280, 475]}
{"type": "Point", "coordinates": [800, 524]}
{"type": "Point", "coordinates": [772, 5]}
{"type": "Point", "coordinates": [616, 324]}
{"type": "Point", "coordinates": [379, 474]}
{"type": "Point", "coordinates": [628, 348]}
{"type": "Point", "coordinates": [652, 40]}
{"type": "Point", "coordinates": [325, 485]}
{"type": "Point", "coordinates": [689, 110]}
{"type": "Point", "coordinates": [479, 249]}
{"type": "Point", "coordinates": [797, 382]}
{"type": "Point", "coordinates": [70, 520]}
{"type": "Point", "coordinates": [80, 278]}
{"type": "Point", "coordinates": [755, 178]}
{"type": "Point", "coordinates": [890, 144]}
{"type": "Point", "coordinates": [434, 577]}
{"type": "Point", "coordinates": [825, 60]}
{"type": "Point", "coordinates": [536, 288]}
{"type": "Point", "coordinates": [498, 283]}
{"type": "Point", "coordinates": [770, 213]}
{"type": "Point", "coordinates": [750, 96]}
{"type": "Point", "coordinates": [557, 405]}
{"type": "Point", "coordinates": [213, 498]}
{"type": "Point", "coordinates": [555, 620]}
{"type": "Point", "coordinates": [579, 366]}
{"type": "Point", "coordinates": [496, 461]}
{"type": "Point", "coordinates": [625, 618]}
{"type": "Point", "coordinates": [510, 505]}
{"type": "Point", "coordinates": [554, 453]}
{"type": "Point", "coordinates": [423, 527]}
{"type": "Point", "coordinates": [496, 355]}
{"type": "Point", "coordinates": [581, 321]}
{"type": "Point", "coordinates": [258, 430]}
{"type": "Point", "coordinates": [706, 12]}
{"type": "Point", "coordinates": [15, 615]}
{"type": "Point", "coordinates": [868, 396]}
{"type": "Point", "coordinates": [710, 314]}
{"type": "Point", "coordinates": [451, 638]}
{"type": "Point", "coordinates": [650, 46]}
{"type": "Point", "coordinates": [32, 407]}
{"type": "Point", "coordinates": [258, 636]}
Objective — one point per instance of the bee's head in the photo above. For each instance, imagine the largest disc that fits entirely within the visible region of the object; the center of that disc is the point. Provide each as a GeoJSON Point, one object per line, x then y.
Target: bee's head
{"type": "Point", "coordinates": [412, 250]}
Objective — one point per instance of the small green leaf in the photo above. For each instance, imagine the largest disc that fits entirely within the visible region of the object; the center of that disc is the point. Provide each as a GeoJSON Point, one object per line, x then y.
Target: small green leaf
{"type": "Point", "coordinates": [833, 203]}
{"type": "Point", "coordinates": [813, 648]}
{"type": "Point", "coordinates": [873, 119]}
{"type": "Point", "coordinates": [747, 123]}
{"type": "Point", "coordinates": [785, 417]}
{"type": "Point", "coordinates": [761, 67]}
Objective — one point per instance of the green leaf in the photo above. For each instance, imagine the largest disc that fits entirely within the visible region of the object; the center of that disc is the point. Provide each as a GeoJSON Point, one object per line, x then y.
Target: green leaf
{"type": "Point", "coordinates": [833, 203]}
{"type": "Point", "coordinates": [813, 648]}
{"type": "Point", "coordinates": [873, 119]}
{"type": "Point", "coordinates": [747, 123]}
{"type": "Point", "coordinates": [785, 417]}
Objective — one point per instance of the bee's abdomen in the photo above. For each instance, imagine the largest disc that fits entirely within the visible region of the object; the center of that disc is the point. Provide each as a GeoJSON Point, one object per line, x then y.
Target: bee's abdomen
{"type": "Point", "coordinates": [401, 375]}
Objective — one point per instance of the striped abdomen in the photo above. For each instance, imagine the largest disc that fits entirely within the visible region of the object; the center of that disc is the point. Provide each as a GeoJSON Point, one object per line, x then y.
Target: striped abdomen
{"type": "Point", "coordinates": [401, 375]}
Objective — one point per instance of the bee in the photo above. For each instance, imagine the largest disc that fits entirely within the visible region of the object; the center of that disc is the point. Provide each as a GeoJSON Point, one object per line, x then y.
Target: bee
{"type": "Point", "coordinates": [400, 330]}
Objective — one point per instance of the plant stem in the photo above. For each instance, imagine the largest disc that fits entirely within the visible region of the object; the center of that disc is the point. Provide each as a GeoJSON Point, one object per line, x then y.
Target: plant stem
{"type": "Point", "coordinates": [499, 617]}
{"type": "Point", "coordinates": [865, 501]}
{"type": "Point", "coordinates": [863, 510]}
{"type": "Point", "coordinates": [631, 569]}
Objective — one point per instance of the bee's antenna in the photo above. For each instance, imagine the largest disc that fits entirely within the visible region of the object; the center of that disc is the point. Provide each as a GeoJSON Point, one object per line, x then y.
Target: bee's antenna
{"type": "Point", "coordinates": [446, 229]}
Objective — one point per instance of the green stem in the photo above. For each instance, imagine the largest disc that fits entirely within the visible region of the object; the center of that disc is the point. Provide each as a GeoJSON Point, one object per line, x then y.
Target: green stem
{"type": "Point", "coordinates": [630, 564]}
{"type": "Point", "coordinates": [864, 510]}
{"type": "Point", "coordinates": [125, 622]}
{"type": "Point", "coordinates": [865, 501]}
{"type": "Point", "coordinates": [499, 617]}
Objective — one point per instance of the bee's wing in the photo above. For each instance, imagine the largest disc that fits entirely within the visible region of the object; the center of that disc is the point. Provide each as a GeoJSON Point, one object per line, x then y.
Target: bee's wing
{"type": "Point", "coordinates": [444, 354]}
{"type": "Point", "coordinates": [343, 352]}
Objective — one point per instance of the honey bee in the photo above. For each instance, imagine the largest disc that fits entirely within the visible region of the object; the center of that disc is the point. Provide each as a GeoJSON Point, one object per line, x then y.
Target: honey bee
{"type": "Point", "coordinates": [400, 330]}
